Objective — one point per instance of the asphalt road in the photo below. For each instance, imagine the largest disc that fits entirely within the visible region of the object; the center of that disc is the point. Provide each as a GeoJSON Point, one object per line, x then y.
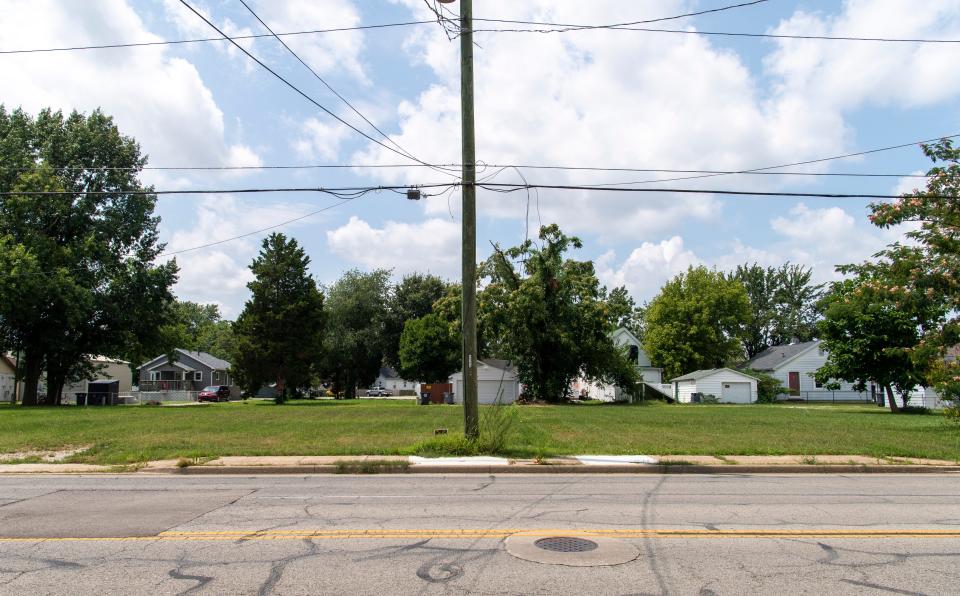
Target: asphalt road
{"type": "Point", "coordinates": [466, 534]}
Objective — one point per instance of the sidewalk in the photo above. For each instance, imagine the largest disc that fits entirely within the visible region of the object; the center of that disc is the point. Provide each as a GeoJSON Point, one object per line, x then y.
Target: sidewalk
{"type": "Point", "coordinates": [586, 464]}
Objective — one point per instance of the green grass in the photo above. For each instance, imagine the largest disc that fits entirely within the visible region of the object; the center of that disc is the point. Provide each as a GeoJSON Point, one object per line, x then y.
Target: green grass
{"type": "Point", "coordinates": [121, 435]}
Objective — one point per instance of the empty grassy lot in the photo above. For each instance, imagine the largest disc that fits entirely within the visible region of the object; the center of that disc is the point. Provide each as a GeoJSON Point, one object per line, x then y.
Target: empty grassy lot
{"type": "Point", "coordinates": [131, 434]}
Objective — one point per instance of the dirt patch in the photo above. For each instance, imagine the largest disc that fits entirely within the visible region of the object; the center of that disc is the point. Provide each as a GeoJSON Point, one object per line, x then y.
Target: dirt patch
{"type": "Point", "coordinates": [44, 456]}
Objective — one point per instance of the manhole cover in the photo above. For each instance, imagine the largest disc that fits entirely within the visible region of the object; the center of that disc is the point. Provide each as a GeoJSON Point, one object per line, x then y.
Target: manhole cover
{"type": "Point", "coordinates": [566, 544]}
{"type": "Point", "coordinates": [570, 550]}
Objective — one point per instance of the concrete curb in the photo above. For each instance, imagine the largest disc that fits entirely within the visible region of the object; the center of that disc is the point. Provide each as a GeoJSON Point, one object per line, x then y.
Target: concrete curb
{"type": "Point", "coordinates": [565, 469]}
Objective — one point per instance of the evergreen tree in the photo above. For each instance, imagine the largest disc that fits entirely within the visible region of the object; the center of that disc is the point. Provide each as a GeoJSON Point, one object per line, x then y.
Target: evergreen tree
{"type": "Point", "coordinates": [279, 334]}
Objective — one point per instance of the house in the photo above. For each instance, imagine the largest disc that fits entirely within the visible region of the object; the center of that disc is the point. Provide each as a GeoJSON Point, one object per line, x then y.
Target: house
{"type": "Point", "coordinates": [649, 374]}
{"type": "Point", "coordinates": [8, 378]}
{"type": "Point", "coordinates": [105, 370]}
{"type": "Point", "coordinates": [496, 381]}
{"type": "Point", "coordinates": [725, 384]}
{"type": "Point", "coordinates": [187, 373]}
{"type": "Point", "coordinates": [794, 364]}
{"type": "Point", "coordinates": [391, 380]}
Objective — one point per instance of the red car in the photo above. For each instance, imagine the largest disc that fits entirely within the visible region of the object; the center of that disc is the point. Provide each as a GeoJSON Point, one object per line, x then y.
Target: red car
{"type": "Point", "coordinates": [214, 393]}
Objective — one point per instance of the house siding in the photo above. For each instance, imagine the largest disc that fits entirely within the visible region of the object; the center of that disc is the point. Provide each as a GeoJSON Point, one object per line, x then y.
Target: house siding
{"type": "Point", "coordinates": [712, 385]}
{"type": "Point", "coordinates": [112, 371]}
{"type": "Point", "coordinates": [806, 364]}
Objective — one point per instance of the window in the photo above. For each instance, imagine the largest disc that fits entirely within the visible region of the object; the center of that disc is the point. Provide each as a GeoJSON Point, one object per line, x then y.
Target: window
{"type": "Point", "coordinates": [818, 384]}
{"type": "Point", "coordinates": [634, 354]}
{"type": "Point", "coordinates": [197, 375]}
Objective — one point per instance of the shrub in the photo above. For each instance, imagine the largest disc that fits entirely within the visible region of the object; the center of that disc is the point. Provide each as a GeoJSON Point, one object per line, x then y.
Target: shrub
{"type": "Point", "coordinates": [768, 387]}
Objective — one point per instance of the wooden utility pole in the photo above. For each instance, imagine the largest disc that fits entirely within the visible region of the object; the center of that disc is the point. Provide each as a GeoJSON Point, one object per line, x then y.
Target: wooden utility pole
{"type": "Point", "coordinates": [469, 239]}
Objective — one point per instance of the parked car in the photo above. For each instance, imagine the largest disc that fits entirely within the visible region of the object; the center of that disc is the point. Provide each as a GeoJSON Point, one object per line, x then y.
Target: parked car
{"type": "Point", "coordinates": [214, 393]}
{"type": "Point", "coordinates": [377, 392]}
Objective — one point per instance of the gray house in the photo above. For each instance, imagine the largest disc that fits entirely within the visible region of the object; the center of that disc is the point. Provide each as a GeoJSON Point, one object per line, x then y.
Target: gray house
{"type": "Point", "coordinates": [188, 371]}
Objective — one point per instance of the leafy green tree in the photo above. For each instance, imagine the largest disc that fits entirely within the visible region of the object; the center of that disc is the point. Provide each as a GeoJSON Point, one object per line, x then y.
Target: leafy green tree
{"type": "Point", "coordinates": [429, 349]}
{"type": "Point", "coordinates": [784, 305]}
{"type": "Point", "coordinates": [199, 327]}
{"type": "Point", "coordinates": [697, 321]}
{"type": "Point", "coordinates": [870, 329]}
{"type": "Point", "coordinates": [936, 268]}
{"type": "Point", "coordinates": [768, 386]}
{"type": "Point", "coordinates": [624, 312]}
{"type": "Point", "coordinates": [549, 316]}
{"type": "Point", "coordinates": [357, 309]}
{"type": "Point", "coordinates": [279, 334]}
{"type": "Point", "coordinates": [78, 276]}
{"type": "Point", "coordinates": [411, 299]}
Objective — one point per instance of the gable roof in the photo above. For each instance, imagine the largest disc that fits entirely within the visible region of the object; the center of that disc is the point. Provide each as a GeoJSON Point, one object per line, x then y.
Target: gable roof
{"type": "Point", "coordinates": [498, 364]}
{"type": "Point", "coordinates": [629, 334]}
{"type": "Point", "coordinates": [208, 360]}
{"type": "Point", "coordinates": [709, 372]}
{"type": "Point", "coordinates": [776, 356]}
{"type": "Point", "coordinates": [388, 372]}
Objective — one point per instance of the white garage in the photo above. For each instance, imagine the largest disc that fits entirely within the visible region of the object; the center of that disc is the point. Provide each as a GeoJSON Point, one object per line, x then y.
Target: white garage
{"type": "Point", "coordinates": [725, 384]}
{"type": "Point", "coordinates": [494, 378]}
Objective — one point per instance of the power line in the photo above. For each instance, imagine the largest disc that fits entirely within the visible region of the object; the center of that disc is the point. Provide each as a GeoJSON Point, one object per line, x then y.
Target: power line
{"type": "Point", "coordinates": [326, 84]}
{"type": "Point", "coordinates": [568, 27]}
{"type": "Point", "coordinates": [111, 46]}
{"type": "Point", "coordinates": [722, 34]}
{"type": "Point", "coordinates": [356, 192]}
{"type": "Point", "coordinates": [297, 89]}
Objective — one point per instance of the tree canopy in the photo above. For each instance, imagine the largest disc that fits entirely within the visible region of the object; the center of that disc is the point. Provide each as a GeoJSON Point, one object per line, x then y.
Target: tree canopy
{"type": "Point", "coordinates": [411, 299]}
{"type": "Point", "coordinates": [783, 301]}
{"type": "Point", "coordinates": [697, 321]}
{"type": "Point", "coordinates": [353, 347]}
{"type": "Point", "coordinates": [549, 316]}
{"type": "Point", "coordinates": [429, 349]}
{"type": "Point", "coordinates": [199, 327]}
{"type": "Point", "coordinates": [77, 272]}
{"type": "Point", "coordinates": [279, 334]}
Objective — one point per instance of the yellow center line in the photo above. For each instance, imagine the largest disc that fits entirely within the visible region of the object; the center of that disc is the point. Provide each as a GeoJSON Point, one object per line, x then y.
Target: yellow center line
{"type": "Point", "coordinates": [461, 534]}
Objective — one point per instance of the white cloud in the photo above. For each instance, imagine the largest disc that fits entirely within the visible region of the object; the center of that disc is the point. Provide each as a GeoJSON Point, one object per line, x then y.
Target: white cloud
{"type": "Point", "coordinates": [911, 184]}
{"type": "Point", "coordinates": [159, 100]}
{"type": "Point", "coordinates": [333, 52]}
{"type": "Point", "coordinates": [647, 267]}
{"type": "Point", "coordinates": [432, 245]}
{"type": "Point", "coordinates": [320, 139]}
{"type": "Point", "coordinates": [219, 274]}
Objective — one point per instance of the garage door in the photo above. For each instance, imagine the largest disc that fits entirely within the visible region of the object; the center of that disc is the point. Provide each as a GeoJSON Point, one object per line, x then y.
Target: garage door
{"type": "Point", "coordinates": [736, 393]}
{"type": "Point", "coordinates": [487, 391]}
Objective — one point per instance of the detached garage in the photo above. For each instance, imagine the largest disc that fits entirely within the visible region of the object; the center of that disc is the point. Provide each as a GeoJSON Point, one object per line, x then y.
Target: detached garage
{"type": "Point", "coordinates": [493, 377]}
{"type": "Point", "coordinates": [727, 385]}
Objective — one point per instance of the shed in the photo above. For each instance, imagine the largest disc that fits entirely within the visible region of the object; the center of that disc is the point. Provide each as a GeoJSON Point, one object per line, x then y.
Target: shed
{"type": "Point", "coordinates": [727, 385]}
{"type": "Point", "coordinates": [495, 379]}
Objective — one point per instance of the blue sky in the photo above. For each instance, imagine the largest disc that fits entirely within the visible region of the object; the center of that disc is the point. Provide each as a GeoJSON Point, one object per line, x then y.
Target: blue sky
{"type": "Point", "coordinates": [598, 98]}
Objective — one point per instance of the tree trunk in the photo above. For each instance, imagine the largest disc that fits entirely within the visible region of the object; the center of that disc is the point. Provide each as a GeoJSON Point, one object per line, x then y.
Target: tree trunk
{"type": "Point", "coordinates": [31, 379]}
{"type": "Point", "coordinates": [893, 400]}
{"type": "Point", "coordinates": [55, 382]}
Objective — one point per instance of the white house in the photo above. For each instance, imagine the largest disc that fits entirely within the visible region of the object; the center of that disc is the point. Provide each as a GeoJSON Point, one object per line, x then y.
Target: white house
{"type": "Point", "coordinates": [496, 381]}
{"type": "Point", "coordinates": [8, 370]}
{"type": "Point", "coordinates": [726, 384]}
{"type": "Point", "coordinates": [391, 380]}
{"type": "Point", "coordinates": [794, 364]}
{"type": "Point", "coordinates": [604, 392]}
{"type": "Point", "coordinates": [105, 369]}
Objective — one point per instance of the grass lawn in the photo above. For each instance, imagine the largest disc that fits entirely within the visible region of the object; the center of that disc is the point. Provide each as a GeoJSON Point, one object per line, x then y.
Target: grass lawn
{"type": "Point", "coordinates": [127, 434]}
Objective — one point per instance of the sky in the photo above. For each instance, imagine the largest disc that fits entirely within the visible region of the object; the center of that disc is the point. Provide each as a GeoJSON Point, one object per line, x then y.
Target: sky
{"type": "Point", "coordinates": [598, 98]}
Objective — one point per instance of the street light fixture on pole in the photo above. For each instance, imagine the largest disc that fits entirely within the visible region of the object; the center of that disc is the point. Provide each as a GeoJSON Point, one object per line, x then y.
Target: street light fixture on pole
{"type": "Point", "coordinates": [469, 233]}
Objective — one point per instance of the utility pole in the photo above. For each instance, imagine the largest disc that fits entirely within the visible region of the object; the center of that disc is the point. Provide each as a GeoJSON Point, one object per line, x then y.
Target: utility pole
{"type": "Point", "coordinates": [469, 233]}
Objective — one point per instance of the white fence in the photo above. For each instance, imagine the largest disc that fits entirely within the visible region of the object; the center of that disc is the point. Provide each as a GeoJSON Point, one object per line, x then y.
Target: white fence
{"type": "Point", "coordinates": [144, 397]}
{"type": "Point", "coordinates": [830, 396]}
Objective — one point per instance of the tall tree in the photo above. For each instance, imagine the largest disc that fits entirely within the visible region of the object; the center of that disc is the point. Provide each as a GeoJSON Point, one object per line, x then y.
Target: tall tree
{"type": "Point", "coordinates": [697, 321]}
{"type": "Point", "coordinates": [357, 309]}
{"type": "Point", "coordinates": [78, 276]}
{"type": "Point", "coordinates": [936, 271]}
{"type": "Point", "coordinates": [279, 334]}
{"type": "Point", "coordinates": [200, 327]}
{"type": "Point", "coordinates": [429, 349]}
{"type": "Point", "coordinates": [411, 299]}
{"type": "Point", "coordinates": [869, 332]}
{"type": "Point", "coordinates": [624, 312]}
{"type": "Point", "coordinates": [783, 301]}
{"type": "Point", "coordinates": [549, 316]}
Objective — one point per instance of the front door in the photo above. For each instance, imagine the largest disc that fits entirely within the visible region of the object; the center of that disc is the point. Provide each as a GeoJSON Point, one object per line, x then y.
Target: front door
{"type": "Point", "coordinates": [794, 381]}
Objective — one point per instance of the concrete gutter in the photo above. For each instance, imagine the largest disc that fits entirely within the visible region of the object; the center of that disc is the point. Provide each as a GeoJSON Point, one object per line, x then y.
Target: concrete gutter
{"type": "Point", "coordinates": [595, 464]}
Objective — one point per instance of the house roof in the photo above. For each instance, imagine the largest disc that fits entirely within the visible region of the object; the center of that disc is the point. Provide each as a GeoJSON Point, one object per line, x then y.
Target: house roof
{"type": "Point", "coordinates": [773, 357]}
{"type": "Point", "coordinates": [207, 359]}
{"type": "Point", "coordinates": [503, 365]}
{"type": "Point", "coordinates": [707, 372]}
{"type": "Point", "coordinates": [388, 372]}
{"type": "Point", "coordinates": [203, 358]}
